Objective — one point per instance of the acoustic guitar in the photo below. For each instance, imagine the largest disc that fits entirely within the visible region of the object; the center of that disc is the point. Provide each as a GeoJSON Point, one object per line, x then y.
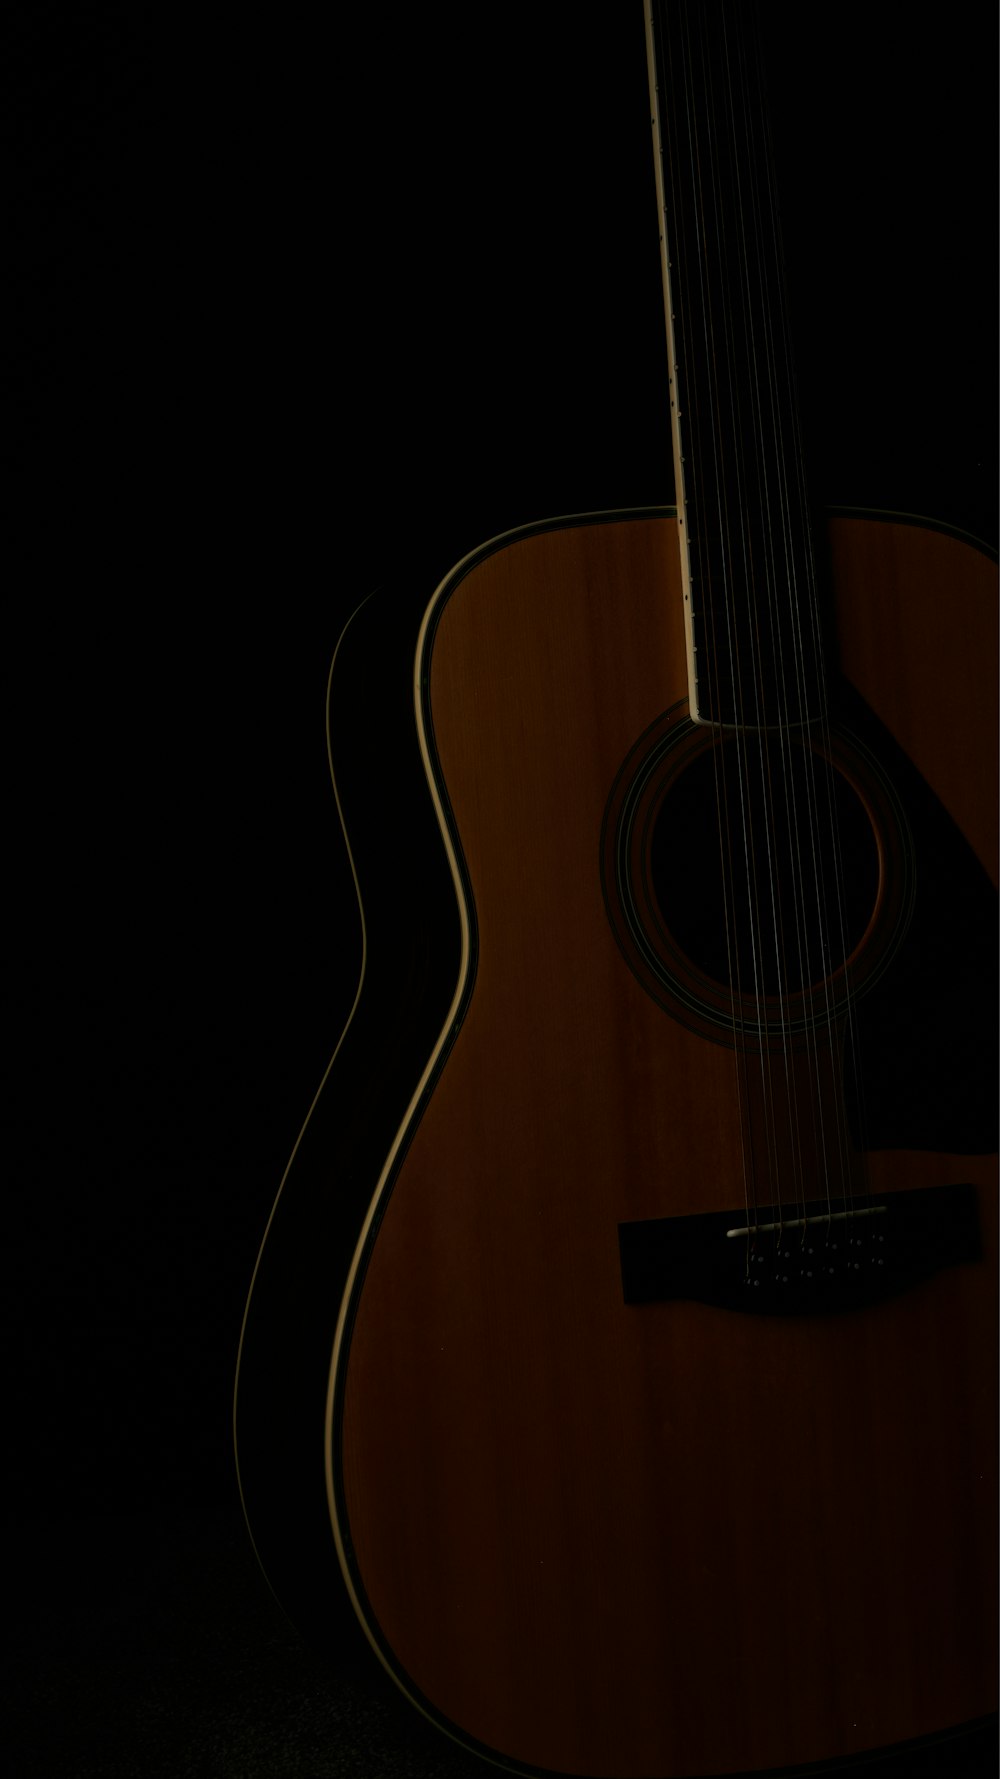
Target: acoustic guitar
{"type": "Point", "coordinates": [645, 1413]}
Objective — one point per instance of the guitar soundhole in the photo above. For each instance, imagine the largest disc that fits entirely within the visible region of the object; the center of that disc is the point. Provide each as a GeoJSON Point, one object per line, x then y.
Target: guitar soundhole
{"type": "Point", "coordinates": [764, 865]}
{"type": "Point", "coordinates": [741, 874]}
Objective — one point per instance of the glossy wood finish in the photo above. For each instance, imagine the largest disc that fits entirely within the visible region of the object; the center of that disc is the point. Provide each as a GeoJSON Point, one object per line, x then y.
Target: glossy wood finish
{"type": "Point", "coordinates": [660, 1540]}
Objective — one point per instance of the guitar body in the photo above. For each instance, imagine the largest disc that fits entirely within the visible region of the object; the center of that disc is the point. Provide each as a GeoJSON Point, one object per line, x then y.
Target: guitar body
{"type": "Point", "coordinates": [646, 1538]}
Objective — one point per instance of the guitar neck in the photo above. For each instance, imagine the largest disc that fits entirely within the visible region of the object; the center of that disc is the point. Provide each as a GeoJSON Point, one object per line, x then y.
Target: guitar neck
{"type": "Point", "coordinates": [755, 656]}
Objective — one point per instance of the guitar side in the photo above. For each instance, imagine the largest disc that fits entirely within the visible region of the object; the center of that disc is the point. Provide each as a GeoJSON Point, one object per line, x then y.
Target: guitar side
{"type": "Point", "coordinates": [611, 1539]}
{"type": "Point", "coordinates": [407, 933]}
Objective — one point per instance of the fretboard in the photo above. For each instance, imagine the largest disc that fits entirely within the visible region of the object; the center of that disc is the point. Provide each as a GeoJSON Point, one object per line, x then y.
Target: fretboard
{"type": "Point", "coordinates": [754, 645]}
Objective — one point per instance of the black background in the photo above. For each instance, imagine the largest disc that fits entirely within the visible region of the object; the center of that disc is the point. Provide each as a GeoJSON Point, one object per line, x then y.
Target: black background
{"type": "Point", "coordinates": [299, 304]}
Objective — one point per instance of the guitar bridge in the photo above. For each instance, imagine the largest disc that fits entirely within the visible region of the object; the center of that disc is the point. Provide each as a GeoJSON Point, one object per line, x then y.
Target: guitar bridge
{"type": "Point", "coordinates": [815, 1261]}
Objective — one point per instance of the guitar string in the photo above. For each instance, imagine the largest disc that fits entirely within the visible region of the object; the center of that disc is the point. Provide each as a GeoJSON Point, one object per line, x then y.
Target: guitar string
{"type": "Point", "coordinates": [792, 456]}
{"type": "Point", "coordinates": [802, 677]}
{"type": "Point", "coordinates": [793, 679]}
{"type": "Point", "coordinates": [730, 698]}
{"type": "Point", "coordinates": [784, 571]}
{"type": "Point", "coordinates": [719, 284]}
{"type": "Point", "coordinates": [736, 569]}
{"type": "Point", "coordinates": [731, 807]}
{"type": "Point", "coordinates": [776, 499]}
{"type": "Point", "coordinates": [708, 178]}
{"type": "Point", "coordinates": [722, 324]}
{"type": "Point", "coordinates": [795, 457]}
{"type": "Point", "coordinates": [851, 1022]}
{"type": "Point", "coordinates": [735, 326]}
{"type": "Point", "coordinates": [679, 105]}
{"type": "Point", "coordinates": [739, 107]}
{"type": "Point", "coordinates": [821, 774]}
